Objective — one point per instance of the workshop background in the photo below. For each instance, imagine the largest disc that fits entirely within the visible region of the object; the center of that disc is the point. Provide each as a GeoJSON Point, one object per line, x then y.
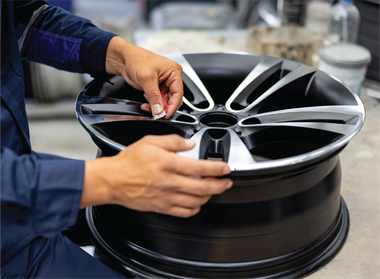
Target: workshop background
{"type": "Point", "coordinates": [226, 25]}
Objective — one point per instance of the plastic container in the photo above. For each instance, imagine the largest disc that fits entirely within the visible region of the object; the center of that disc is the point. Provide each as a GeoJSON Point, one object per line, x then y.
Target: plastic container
{"type": "Point", "coordinates": [347, 62]}
{"type": "Point", "coordinates": [344, 21]}
{"type": "Point", "coordinates": [318, 16]}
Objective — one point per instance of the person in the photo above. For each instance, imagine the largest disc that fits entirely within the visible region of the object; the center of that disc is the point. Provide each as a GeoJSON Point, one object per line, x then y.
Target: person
{"type": "Point", "coordinates": [41, 194]}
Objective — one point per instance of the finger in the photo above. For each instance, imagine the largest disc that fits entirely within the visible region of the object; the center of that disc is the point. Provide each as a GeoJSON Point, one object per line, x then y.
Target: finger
{"type": "Point", "coordinates": [188, 166]}
{"type": "Point", "coordinates": [146, 107]}
{"type": "Point", "coordinates": [167, 97]}
{"type": "Point", "coordinates": [175, 85]}
{"type": "Point", "coordinates": [188, 200]}
{"type": "Point", "coordinates": [174, 80]}
{"type": "Point", "coordinates": [153, 93]}
{"type": "Point", "coordinates": [163, 88]}
{"type": "Point", "coordinates": [174, 103]}
{"type": "Point", "coordinates": [182, 212]}
{"type": "Point", "coordinates": [202, 187]}
{"type": "Point", "coordinates": [174, 143]}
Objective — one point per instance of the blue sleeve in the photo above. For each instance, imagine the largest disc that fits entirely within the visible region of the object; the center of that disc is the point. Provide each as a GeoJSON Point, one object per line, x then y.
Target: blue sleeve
{"type": "Point", "coordinates": [30, 186]}
{"type": "Point", "coordinates": [55, 37]}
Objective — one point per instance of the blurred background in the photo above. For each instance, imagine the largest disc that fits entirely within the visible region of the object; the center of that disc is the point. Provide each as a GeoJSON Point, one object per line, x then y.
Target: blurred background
{"type": "Point", "coordinates": [291, 29]}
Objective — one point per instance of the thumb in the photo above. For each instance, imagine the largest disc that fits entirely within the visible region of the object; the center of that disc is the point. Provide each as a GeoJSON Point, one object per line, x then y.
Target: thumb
{"type": "Point", "coordinates": [153, 92]}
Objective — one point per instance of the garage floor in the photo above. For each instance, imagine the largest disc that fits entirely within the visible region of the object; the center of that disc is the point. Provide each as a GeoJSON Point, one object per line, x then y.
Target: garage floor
{"type": "Point", "coordinates": [55, 130]}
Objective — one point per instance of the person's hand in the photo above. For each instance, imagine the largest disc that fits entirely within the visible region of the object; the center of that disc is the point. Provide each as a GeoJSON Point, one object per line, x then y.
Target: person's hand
{"type": "Point", "coordinates": [148, 72]}
{"type": "Point", "coordinates": [149, 176]}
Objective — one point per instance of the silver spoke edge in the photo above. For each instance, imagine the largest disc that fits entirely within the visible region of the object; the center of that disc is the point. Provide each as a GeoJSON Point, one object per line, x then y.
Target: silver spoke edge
{"type": "Point", "coordinates": [115, 109]}
{"type": "Point", "coordinates": [239, 153]}
{"type": "Point", "coordinates": [107, 100]}
{"type": "Point", "coordinates": [101, 118]}
{"type": "Point", "coordinates": [194, 153]}
{"type": "Point", "coordinates": [260, 69]}
{"type": "Point", "coordinates": [189, 71]}
{"type": "Point", "coordinates": [329, 127]}
{"type": "Point", "coordinates": [307, 113]}
{"type": "Point", "coordinates": [90, 119]}
{"type": "Point", "coordinates": [290, 77]}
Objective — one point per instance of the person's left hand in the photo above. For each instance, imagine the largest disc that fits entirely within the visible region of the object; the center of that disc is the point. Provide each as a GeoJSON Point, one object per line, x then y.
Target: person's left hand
{"type": "Point", "coordinates": [149, 72]}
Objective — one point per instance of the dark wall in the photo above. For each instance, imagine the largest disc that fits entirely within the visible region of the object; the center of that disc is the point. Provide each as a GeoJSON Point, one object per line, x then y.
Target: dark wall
{"type": "Point", "coordinates": [369, 34]}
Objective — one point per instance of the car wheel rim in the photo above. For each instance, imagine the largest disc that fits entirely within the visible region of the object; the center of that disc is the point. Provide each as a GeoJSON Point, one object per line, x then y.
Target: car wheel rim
{"type": "Point", "coordinates": [279, 124]}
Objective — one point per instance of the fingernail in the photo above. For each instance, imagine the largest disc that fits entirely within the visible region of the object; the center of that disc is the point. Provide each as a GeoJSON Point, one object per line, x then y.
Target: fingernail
{"type": "Point", "coordinates": [158, 116]}
{"type": "Point", "coordinates": [189, 143]}
{"type": "Point", "coordinates": [157, 109]}
{"type": "Point", "coordinates": [229, 185]}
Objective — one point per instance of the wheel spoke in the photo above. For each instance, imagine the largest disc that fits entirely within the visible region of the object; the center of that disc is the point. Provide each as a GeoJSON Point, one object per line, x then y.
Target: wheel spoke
{"type": "Point", "coordinates": [259, 74]}
{"type": "Point", "coordinates": [119, 109]}
{"type": "Point", "coordinates": [328, 127]}
{"type": "Point", "coordinates": [117, 92]}
{"type": "Point", "coordinates": [90, 119]}
{"type": "Point", "coordinates": [280, 112]}
{"type": "Point", "coordinates": [291, 77]}
{"type": "Point", "coordinates": [328, 114]}
{"type": "Point", "coordinates": [99, 115]}
{"type": "Point", "coordinates": [105, 100]}
{"type": "Point", "coordinates": [194, 153]}
{"type": "Point", "coordinates": [222, 144]}
{"type": "Point", "coordinates": [239, 153]}
{"type": "Point", "coordinates": [194, 83]}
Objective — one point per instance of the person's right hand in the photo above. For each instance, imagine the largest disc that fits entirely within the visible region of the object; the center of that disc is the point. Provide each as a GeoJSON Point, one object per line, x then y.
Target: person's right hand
{"type": "Point", "coordinates": [149, 72]}
{"type": "Point", "coordinates": [149, 176]}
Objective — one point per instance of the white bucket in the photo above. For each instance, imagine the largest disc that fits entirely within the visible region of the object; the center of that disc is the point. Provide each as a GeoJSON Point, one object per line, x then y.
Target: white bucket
{"type": "Point", "coordinates": [347, 62]}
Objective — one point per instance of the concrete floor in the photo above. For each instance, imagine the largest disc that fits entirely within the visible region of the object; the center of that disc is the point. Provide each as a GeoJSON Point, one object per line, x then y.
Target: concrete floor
{"type": "Point", "coordinates": [360, 256]}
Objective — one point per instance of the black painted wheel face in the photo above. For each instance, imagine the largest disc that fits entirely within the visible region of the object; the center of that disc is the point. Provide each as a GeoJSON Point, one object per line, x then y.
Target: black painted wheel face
{"type": "Point", "coordinates": [279, 124]}
{"type": "Point", "coordinates": [252, 111]}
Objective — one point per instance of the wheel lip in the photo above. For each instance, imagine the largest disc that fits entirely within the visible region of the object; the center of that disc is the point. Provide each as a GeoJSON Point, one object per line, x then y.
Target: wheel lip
{"type": "Point", "coordinates": [321, 259]}
{"type": "Point", "coordinates": [272, 164]}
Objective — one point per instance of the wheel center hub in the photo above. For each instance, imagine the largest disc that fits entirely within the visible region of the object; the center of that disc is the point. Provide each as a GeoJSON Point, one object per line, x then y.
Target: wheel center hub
{"type": "Point", "coordinates": [218, 119]}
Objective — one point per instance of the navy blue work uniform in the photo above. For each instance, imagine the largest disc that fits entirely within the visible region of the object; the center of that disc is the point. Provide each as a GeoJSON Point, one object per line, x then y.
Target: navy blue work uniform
{"type": "Point", "coordinates": [40, 195]}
